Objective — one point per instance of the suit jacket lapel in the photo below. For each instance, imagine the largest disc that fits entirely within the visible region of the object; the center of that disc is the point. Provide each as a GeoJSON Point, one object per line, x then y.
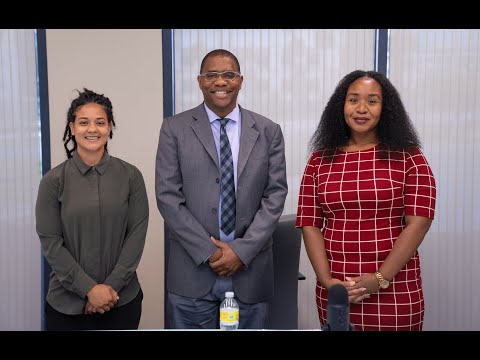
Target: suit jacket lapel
{"type": "Point", "coordinates": [201, 127]}
{"type": "Point", "coordinates": [248, 137]}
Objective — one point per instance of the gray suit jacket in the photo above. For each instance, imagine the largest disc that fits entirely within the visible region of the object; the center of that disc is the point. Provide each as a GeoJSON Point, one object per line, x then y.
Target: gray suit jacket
{"type": "Point", "coordinates": [187, 190]}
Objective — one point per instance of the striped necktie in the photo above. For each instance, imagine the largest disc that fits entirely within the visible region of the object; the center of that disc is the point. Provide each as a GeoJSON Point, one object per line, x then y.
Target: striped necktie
{"type": "Point", "coordinates": [227, 183]}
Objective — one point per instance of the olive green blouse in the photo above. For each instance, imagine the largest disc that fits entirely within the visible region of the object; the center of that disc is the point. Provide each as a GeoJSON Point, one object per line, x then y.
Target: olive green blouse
{"type": "Point", "coordinates": [92, 222]}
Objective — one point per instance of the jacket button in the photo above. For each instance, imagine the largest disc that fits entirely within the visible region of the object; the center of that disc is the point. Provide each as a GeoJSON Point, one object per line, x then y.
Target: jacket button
{"type": "Point", "coordinates": [214, 211]}
{"type": "Point", "coordinates": [217, 180]}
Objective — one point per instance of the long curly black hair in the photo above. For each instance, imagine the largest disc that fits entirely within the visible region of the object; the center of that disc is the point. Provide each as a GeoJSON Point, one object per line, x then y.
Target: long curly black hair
{"type": "Point", "coordinates": [85, 97]}
{"type": "Point", "coordinates": [395, 130]}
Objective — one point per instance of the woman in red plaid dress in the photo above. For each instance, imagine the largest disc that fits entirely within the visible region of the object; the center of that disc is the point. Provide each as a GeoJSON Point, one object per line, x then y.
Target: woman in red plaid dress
{"type": "Point", "coordinates": [367, 199]}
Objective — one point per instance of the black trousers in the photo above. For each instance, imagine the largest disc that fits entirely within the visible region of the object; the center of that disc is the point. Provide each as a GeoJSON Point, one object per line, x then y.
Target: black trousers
{"type": "Point", "coordinates": [126, 317]}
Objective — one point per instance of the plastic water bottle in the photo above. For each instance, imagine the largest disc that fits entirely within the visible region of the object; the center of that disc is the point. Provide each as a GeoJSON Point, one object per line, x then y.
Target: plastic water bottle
{"type": "Point", "coordinates": [229, 312]}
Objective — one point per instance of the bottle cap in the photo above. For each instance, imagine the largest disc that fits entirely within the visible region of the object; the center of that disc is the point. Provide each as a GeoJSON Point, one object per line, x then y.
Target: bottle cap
{"type": "Point", "coordinates": [229, 294]}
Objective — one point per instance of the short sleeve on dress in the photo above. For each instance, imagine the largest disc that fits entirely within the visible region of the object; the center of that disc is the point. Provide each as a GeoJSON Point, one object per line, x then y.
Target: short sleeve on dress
{"type": "Point", "coordinates": [420, 190]}
{"type": "Point", "coordinates": [309, 212]}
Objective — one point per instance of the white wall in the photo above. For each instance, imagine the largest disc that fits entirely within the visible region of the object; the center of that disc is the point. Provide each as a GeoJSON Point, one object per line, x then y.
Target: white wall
{"type": "Point", "coordinates": [437, 72]}
{"type": "Point", "coordinates": [126, 66]}
{"type": "Point", "coordinates": [20, 267]}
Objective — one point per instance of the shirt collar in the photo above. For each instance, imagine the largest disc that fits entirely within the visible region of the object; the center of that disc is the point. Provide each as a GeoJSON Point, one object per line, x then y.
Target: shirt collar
{"type": "Point", "coordinates": [100, 167]}
{"type": "Point", "coordinates": [234, 115]}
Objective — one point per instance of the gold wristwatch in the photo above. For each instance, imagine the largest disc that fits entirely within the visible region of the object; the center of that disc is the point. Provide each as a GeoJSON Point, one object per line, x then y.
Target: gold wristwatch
{"type": "Point", "coordinates": [382, 282]}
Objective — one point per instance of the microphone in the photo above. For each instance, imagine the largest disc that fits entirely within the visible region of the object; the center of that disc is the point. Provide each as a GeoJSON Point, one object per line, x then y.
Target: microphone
{"type": "Point", "coordinates": [338, 310]}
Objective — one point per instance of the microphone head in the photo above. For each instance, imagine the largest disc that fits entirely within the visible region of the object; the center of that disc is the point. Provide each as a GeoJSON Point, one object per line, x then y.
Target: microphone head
{"type": "Point", "coordinates": [338, 295]}
{"type": "Point", "coordinates": [338, 309]}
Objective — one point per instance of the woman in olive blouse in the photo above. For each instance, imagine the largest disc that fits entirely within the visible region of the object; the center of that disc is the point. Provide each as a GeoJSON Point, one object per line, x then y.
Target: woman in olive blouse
{"type": "Point", "coordinates": [92, 218]}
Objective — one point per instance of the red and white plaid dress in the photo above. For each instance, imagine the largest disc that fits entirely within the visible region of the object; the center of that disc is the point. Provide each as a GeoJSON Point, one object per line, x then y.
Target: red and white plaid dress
{"type": "Point", "coordinates": [359, 201]}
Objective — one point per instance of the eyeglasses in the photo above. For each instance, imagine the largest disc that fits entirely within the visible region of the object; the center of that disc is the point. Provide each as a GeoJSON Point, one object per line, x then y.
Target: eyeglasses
{"type": "Point", "coordinates": [226, 75]}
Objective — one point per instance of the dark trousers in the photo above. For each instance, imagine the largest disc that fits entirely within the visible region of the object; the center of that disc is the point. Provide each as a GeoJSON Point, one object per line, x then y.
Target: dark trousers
{"type": "Point", "coordinates": [203, 313]}
{"type": "Point", "coordinates": [126, 317]}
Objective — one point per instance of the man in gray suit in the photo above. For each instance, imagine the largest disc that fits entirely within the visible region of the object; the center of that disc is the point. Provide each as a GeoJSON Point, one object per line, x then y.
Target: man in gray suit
{"type": "Point", "coordinates": [221, 198]}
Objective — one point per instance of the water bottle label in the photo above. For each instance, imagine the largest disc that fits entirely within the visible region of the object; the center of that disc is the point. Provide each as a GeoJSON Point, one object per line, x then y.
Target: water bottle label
{"type": "Point", "coordinates": [229, 316]}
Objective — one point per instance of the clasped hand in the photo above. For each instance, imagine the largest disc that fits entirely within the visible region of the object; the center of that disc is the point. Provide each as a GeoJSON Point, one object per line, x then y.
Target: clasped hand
{"type": "Point", "coordinates": [101, 298]}
{"type": "Point", "coordinates": [359, 288]}
{"type": "Point", "coordinates": [224, 262]}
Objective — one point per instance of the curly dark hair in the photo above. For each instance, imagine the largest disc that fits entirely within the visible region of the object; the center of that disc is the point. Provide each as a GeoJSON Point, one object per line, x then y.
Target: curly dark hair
{"type": "Point", "coordinates": [86, 97]}
{"type": "Point", "coordinates": [395, 129]}
{"type": "Point", "coordinates": [220, 52]}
